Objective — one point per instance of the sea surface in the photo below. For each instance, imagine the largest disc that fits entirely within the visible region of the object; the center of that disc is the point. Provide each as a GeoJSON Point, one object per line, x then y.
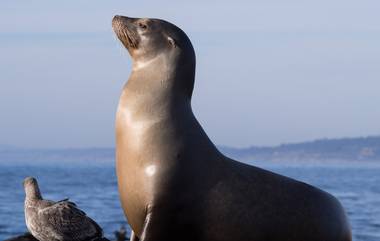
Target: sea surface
{"type": "Point", "coordinates": [93, 187]}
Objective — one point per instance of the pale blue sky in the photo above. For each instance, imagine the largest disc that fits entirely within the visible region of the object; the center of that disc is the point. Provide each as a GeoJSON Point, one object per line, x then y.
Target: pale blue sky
{"type": "Point", "coordinates": [268, 72]}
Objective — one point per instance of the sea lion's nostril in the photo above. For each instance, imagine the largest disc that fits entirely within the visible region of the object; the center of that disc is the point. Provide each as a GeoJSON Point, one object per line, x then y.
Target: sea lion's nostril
{"type": "Point", "coordinates": [120, 17]}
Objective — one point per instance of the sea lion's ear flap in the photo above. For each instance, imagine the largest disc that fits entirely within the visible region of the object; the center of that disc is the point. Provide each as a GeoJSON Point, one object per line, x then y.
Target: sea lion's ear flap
{"type": "Point", "coordinates": [172, 42]}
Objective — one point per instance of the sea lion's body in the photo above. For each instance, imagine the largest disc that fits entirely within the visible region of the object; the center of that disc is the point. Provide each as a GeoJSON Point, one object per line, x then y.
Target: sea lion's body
{"type": "Point", "coordinates": [173, 182]}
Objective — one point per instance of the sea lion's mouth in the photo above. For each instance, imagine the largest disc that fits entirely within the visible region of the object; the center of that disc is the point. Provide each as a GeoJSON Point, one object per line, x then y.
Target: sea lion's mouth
{"type": "Point", "coordinates": [126, 35]}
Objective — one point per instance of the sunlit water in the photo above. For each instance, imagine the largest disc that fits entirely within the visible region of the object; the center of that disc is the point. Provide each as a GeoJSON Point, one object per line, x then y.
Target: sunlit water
{"type": "Point", "coordinates": [94, 189]}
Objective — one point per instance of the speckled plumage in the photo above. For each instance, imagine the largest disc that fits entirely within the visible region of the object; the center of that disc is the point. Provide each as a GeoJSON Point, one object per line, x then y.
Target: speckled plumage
{"type": "Point", "coordinates": [56, 221]}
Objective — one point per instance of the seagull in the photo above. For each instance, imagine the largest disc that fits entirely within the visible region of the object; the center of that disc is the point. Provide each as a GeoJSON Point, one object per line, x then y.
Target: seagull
{"type": "Point", "coordinates": [57, 221]}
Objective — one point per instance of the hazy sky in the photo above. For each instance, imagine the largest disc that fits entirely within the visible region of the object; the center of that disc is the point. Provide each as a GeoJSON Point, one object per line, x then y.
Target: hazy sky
{"type": "Point", "coordinates": [268, 72]}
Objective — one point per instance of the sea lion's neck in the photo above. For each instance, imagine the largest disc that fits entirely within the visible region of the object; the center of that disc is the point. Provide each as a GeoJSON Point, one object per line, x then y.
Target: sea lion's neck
{"type": "Point", "coordinates": [153, 84]}
{"type": "Point", "coordinates": [153, 105]}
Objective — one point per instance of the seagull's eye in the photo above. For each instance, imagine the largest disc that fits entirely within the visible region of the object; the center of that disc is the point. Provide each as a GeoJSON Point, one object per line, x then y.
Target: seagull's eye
{"type": "Point", "coordinates": [143, 26]}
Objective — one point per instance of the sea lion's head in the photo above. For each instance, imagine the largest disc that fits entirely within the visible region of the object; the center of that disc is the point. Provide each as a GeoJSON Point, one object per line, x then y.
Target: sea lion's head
{"type": "Point", "coordinates": [145, 38]}
{"type": "Point", "coordinates": [160, 42]}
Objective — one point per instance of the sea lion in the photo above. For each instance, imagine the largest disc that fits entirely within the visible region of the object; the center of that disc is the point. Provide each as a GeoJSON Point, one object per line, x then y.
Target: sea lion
{"type": "Point", "coordinates": [174, 184]}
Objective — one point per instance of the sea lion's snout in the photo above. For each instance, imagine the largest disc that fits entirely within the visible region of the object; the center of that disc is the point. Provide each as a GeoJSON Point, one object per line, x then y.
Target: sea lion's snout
{"type": "Point", "coordinates": [125, 31]}
{"type": "Point", "coordinates": [119, 22]}
{"type": "Point", "coordinates": [118, 18]}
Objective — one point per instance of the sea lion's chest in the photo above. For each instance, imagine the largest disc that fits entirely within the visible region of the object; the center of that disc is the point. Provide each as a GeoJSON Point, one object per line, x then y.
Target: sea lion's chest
{"type": "Point", "coordinates": [144, 153]}
{"type": "Point", "coordinates": [135, 151]}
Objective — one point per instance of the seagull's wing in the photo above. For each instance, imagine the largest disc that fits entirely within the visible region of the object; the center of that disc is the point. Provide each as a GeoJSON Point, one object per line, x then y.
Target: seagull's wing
{"type": "Point", "coordinates": [64, 221]}
{"type": "Point", "coordinates": [63, 200]}
{"type": "Point", "coordinates": [68, 201]}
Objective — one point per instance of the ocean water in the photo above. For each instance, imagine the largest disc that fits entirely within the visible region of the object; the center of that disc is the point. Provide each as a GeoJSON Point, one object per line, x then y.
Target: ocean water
{"type": "Point", "coordinates": [356, 186]}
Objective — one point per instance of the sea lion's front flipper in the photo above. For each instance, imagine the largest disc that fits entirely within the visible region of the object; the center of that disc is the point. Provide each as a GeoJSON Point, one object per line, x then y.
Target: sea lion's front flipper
{"type": "Point", "coordinates": [155, 227]}
{"type": "Point", "coordinates": [147, 233]}
{"type": "Point", "coordinates": [134, 237]}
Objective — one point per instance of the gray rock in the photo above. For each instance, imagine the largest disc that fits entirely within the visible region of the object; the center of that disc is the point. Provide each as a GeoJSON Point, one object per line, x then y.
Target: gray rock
{"type": "Point", "coordinates": [24, 237]}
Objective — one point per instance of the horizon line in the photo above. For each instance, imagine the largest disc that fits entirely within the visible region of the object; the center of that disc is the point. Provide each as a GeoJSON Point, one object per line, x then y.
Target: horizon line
{"type": "Point", "coordinates": [7, 147]}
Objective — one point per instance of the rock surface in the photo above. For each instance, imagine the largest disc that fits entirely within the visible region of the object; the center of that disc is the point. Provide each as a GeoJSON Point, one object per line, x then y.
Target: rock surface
{"type": "Point", "coordinates": [24, 237]}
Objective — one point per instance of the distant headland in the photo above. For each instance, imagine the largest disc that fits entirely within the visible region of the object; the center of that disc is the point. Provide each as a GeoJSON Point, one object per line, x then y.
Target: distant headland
{"type": "Point", "coordinates": [361, 149]}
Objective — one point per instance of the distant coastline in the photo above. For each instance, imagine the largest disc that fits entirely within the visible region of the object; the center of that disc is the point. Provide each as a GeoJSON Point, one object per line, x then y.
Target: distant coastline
{"type": "Point", "coordinates": [362, 149]}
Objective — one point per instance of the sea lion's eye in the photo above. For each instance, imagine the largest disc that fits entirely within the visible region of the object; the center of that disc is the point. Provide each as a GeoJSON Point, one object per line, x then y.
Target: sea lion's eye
{"type": "Point", "coordinates": [143, 26]}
